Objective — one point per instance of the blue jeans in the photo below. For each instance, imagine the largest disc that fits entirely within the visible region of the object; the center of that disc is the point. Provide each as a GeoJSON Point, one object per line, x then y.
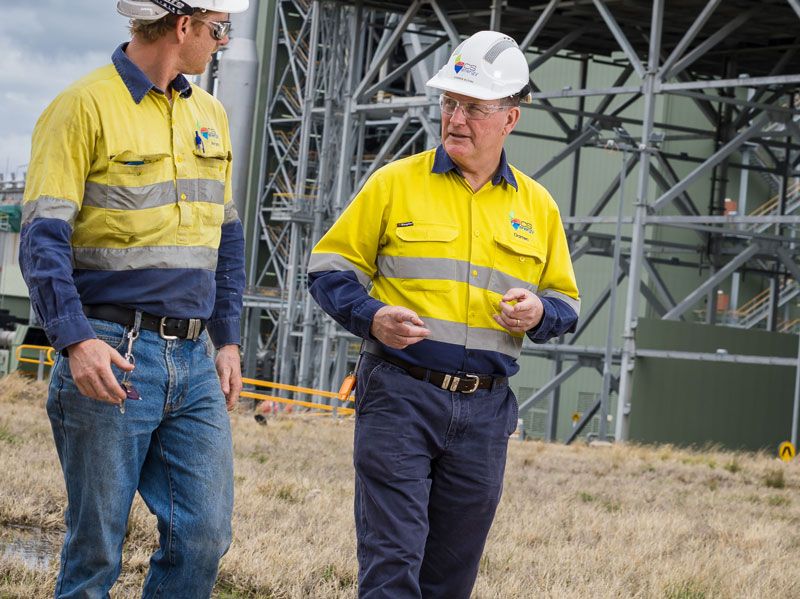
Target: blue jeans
{"type": "Point", "coordinates": [429, 474]}
{"type": "Point", "coordinates": [173, 446]}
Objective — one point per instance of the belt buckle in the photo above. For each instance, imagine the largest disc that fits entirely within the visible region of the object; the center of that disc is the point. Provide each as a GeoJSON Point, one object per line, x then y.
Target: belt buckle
{"type": "Point", "coordinates": [474, 387]}
{"type": "Point", "coordinates": [161, 332]}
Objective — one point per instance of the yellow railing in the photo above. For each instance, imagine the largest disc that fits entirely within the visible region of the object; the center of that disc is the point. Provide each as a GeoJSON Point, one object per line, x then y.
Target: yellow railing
{"type": "Point", "coordinates": [45, 351]}
{"type": "Point", "coordinates": [46, 359]}
{"type": "Point", "coordinates": [771, 204]}
{"type": "Point", "coordinates": [759, 300]}
{"type": "Point", "coordinates": [296, 402]}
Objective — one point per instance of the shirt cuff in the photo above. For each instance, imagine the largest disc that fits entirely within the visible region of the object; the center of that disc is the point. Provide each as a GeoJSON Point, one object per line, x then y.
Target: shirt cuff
{"type": "Point", "coordinates": [225, 331]}
{"type": "Point", "coordinates": [363, 315]}
{"type": "Point", "coordinates": [67, 330]}
{"type": "Point", "coordinates": [542, 332]}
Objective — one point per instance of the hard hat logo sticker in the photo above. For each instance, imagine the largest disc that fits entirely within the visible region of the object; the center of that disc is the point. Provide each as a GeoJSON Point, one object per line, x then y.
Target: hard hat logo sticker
{"type": "Point", "coordinates": [459, 65]}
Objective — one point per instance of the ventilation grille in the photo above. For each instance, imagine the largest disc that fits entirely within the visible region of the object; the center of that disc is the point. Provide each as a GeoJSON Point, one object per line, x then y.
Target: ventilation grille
{"type": "Point", "coordinates": [495, 51]}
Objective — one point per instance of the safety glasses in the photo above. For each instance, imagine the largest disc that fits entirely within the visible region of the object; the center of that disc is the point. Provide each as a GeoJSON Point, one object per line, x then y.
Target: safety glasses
{"type": "Point", "coordinates": [471, 110]}
{"type": "Point", "coordinates": [219, 29]}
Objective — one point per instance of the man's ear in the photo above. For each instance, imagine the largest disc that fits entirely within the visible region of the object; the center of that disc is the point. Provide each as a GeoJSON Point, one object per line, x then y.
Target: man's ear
{"type": "Point", "coordinates": [182, 27]}
{"type": "Point", "coordinates": [512, 118]}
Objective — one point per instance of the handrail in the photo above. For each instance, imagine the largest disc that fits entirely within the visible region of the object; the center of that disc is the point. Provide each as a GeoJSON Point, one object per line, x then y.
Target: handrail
{"type": "Point", "coordinates": [48, 351]}
{"type": "Point", "coordinates": [284, 387]}
{"type": "Point", "coordinates": [297, 402]}
{"type": "Point", "coordinates": [788, 325]}
{"type": "Point", "coordinates": [758, 300]}
{"type": "Point", "coordinates": [48, 361]}
{"type": "Point", "coordinates": [772, 203]}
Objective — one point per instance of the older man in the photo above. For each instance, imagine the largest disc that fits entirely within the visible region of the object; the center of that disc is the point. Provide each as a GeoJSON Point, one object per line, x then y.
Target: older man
{"type": "Point", "coordinates": [466, 255]}
{"type": "Point", "coordinates": [132, 251]}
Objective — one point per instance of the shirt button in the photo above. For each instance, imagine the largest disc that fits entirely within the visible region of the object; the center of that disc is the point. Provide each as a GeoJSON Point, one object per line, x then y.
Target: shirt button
{"type": "Point", "coordinates": [477, 233]}
{"type": "Point", "coordinates": [474, 273]}
{"type": "Point", "coordinates": [183, 196]}
{"type": "Point", "coordinates": [178, 159]}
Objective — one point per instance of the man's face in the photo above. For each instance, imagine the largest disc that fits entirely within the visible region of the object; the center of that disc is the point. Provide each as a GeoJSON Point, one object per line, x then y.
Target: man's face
{"type": "Point", "coordinates": [468, 140]}
{"type": "Point", "coordinates": [201, 43]}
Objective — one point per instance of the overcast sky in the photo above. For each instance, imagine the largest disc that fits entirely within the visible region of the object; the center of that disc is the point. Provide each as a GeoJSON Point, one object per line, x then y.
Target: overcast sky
{"type": "Point", "coordinates": [47, 44]}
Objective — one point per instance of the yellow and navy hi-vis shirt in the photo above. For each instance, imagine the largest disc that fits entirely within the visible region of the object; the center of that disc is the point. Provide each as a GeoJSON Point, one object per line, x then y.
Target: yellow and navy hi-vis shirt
{"type": "Point", "coordinates": [128, 201]}
{"type": "Point", "coordinates": [425, 240]}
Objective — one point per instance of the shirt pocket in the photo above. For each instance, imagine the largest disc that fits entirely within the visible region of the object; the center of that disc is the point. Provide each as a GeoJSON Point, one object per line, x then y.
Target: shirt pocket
{"type": "Point", "coordinates": [427, 257]}
{"type": "Point", "coordinates": [516, 264]}
{"type": "Point", "coordinates": [212, 169]}
{"type": "Point", "coordinates": [139, 188]}
{"type": "Point", "coordinates": [212, 165]}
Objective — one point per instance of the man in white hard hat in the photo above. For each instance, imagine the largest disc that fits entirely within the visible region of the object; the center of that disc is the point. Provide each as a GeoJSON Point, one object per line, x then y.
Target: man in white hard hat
{"type": "Point", "coordinates": [133, 253]}
{"type": "Point", "coordinates": [466, 256]}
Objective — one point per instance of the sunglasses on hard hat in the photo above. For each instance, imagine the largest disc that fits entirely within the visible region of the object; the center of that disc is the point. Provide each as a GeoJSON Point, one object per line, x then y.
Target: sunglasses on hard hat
{"type": "Point", "coordinates": [219, 29]}
{"type": "Point", "coordinates": [471, 110]}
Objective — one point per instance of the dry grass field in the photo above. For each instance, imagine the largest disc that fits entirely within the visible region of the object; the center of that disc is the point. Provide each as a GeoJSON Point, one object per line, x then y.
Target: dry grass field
{"type": "Point", "coordinates": [580, 521]}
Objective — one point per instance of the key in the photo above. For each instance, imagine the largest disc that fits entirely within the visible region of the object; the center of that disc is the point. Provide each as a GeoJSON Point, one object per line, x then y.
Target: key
{"type": "Point", "coordinates": [130, 391]}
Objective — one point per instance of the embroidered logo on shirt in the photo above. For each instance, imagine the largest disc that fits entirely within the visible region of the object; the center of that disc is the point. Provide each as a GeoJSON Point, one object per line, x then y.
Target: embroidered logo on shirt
{"type": "Point", "coordinates": [520, 225]}
{"type": "Point", "coordinates": [203, 134]}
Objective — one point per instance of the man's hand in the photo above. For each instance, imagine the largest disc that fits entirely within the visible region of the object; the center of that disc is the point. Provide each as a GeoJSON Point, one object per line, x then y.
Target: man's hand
{"type": "Point", "coordinates": [524, 314]}
{"type": "Point", "coordinates": [229, 369]}
{"type": "Point", "coordinates": [90, 363]}
{"type": "Point", "coordinates": [398, 327]}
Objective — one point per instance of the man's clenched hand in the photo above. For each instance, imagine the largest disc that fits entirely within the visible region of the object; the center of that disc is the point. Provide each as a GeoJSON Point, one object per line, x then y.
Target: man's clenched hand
{"type": "Point", "coordinates": [398, 327]}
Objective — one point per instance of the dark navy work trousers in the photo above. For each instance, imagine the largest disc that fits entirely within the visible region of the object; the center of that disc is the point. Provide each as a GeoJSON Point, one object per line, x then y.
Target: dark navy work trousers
{"type": "Point", "coordinates": [429, 474]}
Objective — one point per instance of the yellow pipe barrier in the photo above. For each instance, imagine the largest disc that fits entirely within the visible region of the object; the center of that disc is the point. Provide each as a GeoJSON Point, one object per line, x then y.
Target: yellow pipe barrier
{"type": "Point", "coordinates": [306, 390]}
{"type": "Point", "coordinates": [48, 360]}
{"type": "Point", "coordinates": [297, 402]}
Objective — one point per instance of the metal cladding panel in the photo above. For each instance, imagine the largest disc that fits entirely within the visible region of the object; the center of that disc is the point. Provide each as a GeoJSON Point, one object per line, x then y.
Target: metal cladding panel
{"type": "Point", "coordinates": [738, 406]}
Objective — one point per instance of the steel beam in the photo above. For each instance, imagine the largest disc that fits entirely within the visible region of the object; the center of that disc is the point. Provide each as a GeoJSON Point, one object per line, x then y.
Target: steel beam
{"type": "Point", "coordinates": [688, 38]}
{"type": "Point", "coordinates": [539, 25]}
{"type": "Point", "coordinates": [549, 386]}
{"type": "Point", "coordinates": [712, 282]}
{"type": "Point", "coordinates": [623, 42]}
{"type": "Point", "coordinates": [709, 43]}
{"type": "Point", "coordinates": [637, 242]}
{"type": "Point", "coordinates": [713, 160]}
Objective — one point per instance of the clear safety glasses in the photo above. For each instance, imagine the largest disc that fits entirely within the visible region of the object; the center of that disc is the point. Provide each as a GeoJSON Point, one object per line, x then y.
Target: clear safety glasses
{"type": "Point", "coordinates": [219, 29]}
{"type": "Point", "coordinates": [471, 110]}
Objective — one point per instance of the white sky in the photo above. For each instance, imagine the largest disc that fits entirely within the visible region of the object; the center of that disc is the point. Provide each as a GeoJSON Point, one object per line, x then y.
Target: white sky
{"type": "Point", "coordinates": [46, 45]}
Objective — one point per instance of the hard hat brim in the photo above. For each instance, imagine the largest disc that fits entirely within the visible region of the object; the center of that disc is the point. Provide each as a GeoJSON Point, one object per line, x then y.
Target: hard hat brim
{"type": "Point", "coordinates": [465, 88]}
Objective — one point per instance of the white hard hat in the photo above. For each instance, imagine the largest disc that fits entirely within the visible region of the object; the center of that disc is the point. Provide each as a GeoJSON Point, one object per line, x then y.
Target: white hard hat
{"type": "Point", "coordinates": [150, 10]}
{"type": "Point", "coordinates": [488, 66]}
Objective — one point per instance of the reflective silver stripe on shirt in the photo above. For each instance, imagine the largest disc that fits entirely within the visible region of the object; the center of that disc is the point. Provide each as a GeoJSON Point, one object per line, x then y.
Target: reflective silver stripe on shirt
{"type": "Point", "coordinates": [320, 262]}
{"type": "Point", "coordinates": [202, 190]}
{"type": "Point", "coordinates": [49, 207]}
{"type": "Point", "coordinates": [151, 196]}
{"type": "Point", "coordinates": [145, 257]}
{"type": "Point", "coordinates": [129, 198]}
{"type": "Point", "coordinates": [573, 303]}
{"type": "Point", "coordinates": [480, 338]}
{"type": "Point", "coordinates": [402, 267]}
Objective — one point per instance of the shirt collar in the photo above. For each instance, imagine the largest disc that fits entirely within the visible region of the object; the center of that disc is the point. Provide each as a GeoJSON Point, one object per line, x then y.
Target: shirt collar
{"type": "Point", "coordinates": [137, 82]}
{"type": "Point", "coordinates": [442, 163]}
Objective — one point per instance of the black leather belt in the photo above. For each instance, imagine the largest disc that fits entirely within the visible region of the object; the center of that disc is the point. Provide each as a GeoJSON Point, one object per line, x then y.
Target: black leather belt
{"type": "Point", "coordinates": [460, 383]}
{"type": "Point", "coordinates": [167, 328]}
